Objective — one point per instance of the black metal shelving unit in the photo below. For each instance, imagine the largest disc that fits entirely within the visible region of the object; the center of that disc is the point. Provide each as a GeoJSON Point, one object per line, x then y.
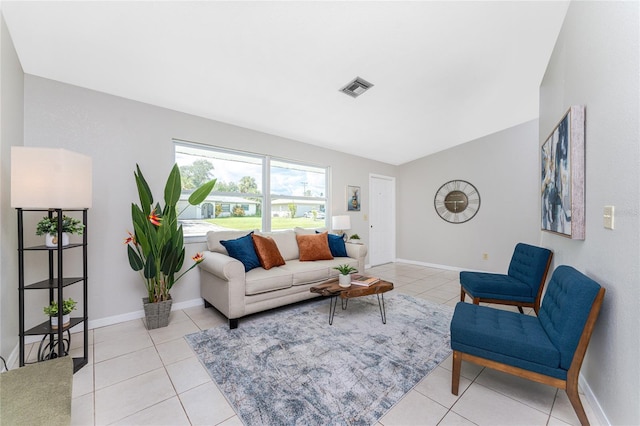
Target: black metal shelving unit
{"type": "Point", "coordinates": [55, 284]}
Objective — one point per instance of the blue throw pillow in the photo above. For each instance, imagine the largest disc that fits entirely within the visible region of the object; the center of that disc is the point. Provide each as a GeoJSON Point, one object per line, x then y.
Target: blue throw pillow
{"type": "Point", "coordinates": [336, 245]}
{"type": "Point", "coordinates": [243, 250]}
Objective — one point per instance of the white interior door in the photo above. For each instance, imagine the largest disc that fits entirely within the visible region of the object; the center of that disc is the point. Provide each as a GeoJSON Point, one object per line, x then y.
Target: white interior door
{"type": "Point", "coordinates": [382, 219]}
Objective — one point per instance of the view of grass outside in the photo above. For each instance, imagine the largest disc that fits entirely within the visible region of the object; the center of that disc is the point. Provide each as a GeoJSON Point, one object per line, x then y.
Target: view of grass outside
{"type": "Point", "coordinates": [255, 222]}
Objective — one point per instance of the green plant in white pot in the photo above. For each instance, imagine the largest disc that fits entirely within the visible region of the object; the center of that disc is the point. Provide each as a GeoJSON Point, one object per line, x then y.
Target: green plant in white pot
{"type": "Point", "coordinates": [156, 248]}
{"type": "Point", "coordinates": [52, 310]}
{"type": "Point", "coordinates": [344, 279]}
{"type": "Point", "coordinates": [48, 227]}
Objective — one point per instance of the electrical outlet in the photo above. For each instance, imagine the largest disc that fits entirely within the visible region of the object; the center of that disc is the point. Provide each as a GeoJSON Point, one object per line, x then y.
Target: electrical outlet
{"type": "Point", "coordinates": [485, 256]}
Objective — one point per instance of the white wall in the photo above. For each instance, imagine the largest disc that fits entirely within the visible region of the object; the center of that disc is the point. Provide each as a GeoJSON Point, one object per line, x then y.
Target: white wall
{"type": "Point", "coordinates": [118, 133]}
{"type": "Point", "coordinates": [596, 63]}
{"type": "Point", "coordinates": [11, 133]}
{"type": "Point", "coordinates": [504, 168]}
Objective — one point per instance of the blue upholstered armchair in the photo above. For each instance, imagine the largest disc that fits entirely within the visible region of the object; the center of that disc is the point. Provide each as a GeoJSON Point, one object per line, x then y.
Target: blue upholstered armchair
{"type": "Point", "coordinates": [522, 286]}
{"type": "Point", "coordinates": [547, 349]}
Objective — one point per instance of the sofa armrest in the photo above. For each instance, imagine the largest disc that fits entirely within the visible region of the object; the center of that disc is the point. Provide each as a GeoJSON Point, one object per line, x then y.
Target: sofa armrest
{"type": "Point", "coordinates": [357, 251]}
{"type": "Point", "coordinates": [222, 283]}
{"type": "Point", "coordinates": [222, 266]}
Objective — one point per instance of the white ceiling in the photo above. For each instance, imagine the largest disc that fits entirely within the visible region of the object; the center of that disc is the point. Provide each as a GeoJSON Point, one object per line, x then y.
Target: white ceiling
{"type": "Point", "coordinates": [444, 72]}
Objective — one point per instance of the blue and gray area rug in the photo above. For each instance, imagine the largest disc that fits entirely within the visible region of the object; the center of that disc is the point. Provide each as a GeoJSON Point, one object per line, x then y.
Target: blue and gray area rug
{"type": "Point", "coordinates": [290, 366]}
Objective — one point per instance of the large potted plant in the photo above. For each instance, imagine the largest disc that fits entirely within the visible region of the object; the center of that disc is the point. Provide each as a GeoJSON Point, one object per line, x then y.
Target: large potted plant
{"type": "Point", "coordinates": [156, 247]}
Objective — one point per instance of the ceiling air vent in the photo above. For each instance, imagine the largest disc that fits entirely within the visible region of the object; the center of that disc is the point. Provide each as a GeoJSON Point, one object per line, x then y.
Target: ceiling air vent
{"type": "Point", "coordinates": [356, 87]}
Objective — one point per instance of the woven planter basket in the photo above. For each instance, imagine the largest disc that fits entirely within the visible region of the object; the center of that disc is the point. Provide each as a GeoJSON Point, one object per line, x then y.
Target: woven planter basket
{"type": "Point", "coordinates": [157, 314]}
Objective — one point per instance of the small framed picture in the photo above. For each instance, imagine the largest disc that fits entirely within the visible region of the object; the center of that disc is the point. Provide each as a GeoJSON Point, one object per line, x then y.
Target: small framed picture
{"type": "Point", "coordinates": [353, 198]}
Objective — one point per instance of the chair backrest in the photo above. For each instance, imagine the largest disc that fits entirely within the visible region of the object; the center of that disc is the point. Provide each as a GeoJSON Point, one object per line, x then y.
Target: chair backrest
{"type": "Point", "coordinates": [529, 265]}
{"type": "Point", "coordinates": [565, 309]}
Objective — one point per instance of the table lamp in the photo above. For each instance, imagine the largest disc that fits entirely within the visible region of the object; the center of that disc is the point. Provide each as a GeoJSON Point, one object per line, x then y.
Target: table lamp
{"type": "Point", "coordinates": [340, 224]}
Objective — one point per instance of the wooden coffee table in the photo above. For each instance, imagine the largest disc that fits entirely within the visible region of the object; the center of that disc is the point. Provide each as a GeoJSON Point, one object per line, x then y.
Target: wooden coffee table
{"type": "Point", "coordinates": [332, 289]}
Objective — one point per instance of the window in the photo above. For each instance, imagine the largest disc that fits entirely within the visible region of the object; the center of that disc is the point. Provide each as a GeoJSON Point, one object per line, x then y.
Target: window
{"type": "Point", "coordinates": [241, 198]}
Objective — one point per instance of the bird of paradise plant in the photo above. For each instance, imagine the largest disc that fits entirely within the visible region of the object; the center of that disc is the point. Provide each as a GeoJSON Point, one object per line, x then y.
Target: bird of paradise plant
{"type": "Point", "coordinates": [156, 248]}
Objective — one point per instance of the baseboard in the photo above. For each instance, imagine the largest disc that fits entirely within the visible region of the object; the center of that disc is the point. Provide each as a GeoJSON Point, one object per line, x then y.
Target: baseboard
{"type": "Point", "coordinates": [593, 401]}
{"type": "Point", "coordinates": [432, 265]}
{"type": "Point", "coordinates": [116, 319]}
{"type": "Point", "coordinates": [103, 322]}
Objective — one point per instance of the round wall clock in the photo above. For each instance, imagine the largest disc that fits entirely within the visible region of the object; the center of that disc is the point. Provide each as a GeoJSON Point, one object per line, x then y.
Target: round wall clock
{"type": "Point", "coordinates": [457, 201]}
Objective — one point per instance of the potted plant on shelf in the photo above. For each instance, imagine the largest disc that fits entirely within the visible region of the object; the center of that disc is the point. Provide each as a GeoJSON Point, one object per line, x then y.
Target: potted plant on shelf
{"type": "Point", "coordinates": [355, 239]}
{"type": "Point", "coordinates": [344, 279]}
{"type": "Point", "coordinates": [156, 247]}
{"type": "Point", "coordinates": [52, 310]}
{"type": "Point", "coordinates": [48, 227]}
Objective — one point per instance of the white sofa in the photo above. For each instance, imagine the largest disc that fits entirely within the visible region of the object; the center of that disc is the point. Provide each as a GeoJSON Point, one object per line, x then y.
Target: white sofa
{"type": "Point", "coordinates": [225, 285]}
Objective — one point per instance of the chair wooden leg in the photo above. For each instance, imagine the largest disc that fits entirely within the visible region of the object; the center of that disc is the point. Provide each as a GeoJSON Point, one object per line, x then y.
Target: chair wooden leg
{"type": "Point", "coordinates": [476, 300]}
{"type": "Point", "coordinates": [520, 309]}
{"type": "Point", "coordinates": [574, 398]}
{"type": "Point", "coordinates": [462, 294]}
{"type": "Point", "coordinates": [455, 373]}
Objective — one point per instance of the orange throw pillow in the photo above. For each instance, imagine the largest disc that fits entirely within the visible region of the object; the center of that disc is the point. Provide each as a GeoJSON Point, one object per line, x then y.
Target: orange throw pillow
{"type": "Point", "coordinates": [267, 251]}
{"type": "Point", "coordinates": [314, 247]}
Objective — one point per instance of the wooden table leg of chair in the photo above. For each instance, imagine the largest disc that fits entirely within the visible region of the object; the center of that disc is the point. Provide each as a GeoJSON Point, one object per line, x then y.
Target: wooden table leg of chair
{"type": "Point", "coordinates": [455, 373]}
{"type": "Point", "coordinates": [462, 294]}
{"type": "Point", "coordinates": [520, 309]}
{"type": "Point", "coordinates": [574, 398]}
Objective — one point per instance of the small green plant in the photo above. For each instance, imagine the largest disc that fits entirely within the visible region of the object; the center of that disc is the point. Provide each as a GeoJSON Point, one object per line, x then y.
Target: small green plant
{"type": "Point", "coordinates": [354, 237]}
{"type": "Point", "coordinates": [345, 269]}
{"type": "Point", "coordinates": [49, 225]}
{"type": "Point", "coordinates": [67, 306]}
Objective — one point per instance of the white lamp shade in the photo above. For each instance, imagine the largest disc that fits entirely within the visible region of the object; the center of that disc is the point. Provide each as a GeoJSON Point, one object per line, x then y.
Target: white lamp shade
{"type": "Point", "coordinates": [341, 223]}
{"type": "Point", "coordinates": [50, 178]}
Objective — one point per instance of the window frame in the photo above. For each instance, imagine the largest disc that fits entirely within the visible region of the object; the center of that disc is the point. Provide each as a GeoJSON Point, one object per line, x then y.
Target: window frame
{"type": "Point", "coordinates": [265, 194]}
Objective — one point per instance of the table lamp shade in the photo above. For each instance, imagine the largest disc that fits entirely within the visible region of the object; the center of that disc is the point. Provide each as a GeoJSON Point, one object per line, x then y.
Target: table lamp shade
{"type": "Point", "coordinates": [44, 178]}
{"type": "Point", "coordinates": [341, 223]}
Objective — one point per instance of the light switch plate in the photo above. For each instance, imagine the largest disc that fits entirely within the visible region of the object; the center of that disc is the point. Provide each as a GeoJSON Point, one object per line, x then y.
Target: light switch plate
{"type": "Point", "coordinates": [608, 217]}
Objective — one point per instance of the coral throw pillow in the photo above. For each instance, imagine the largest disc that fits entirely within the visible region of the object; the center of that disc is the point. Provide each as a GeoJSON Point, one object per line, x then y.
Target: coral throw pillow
{"type": "Point", "coordinates": [267, 251]}
{"type": "Point", "coordinates": [243, 250]}
{"type": "Point", "coordinates": [314, 247]}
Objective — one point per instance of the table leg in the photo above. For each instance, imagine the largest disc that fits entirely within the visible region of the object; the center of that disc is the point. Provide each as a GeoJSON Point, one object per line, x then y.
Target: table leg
{"type": "Point", "coordinates": [344, 303]}
{"type": "Point", "coordinates": [333, 301]}
{"type": "Point", "coordinates": [383, 312]}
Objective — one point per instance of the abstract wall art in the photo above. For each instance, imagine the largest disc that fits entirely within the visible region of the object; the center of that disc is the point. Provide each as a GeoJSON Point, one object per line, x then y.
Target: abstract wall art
{"type": "Point", "coordinates": [562, 176]}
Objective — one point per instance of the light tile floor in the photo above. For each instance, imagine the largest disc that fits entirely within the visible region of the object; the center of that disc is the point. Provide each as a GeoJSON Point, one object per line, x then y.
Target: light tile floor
{"type": "Point", "coordinates": [140, 377]}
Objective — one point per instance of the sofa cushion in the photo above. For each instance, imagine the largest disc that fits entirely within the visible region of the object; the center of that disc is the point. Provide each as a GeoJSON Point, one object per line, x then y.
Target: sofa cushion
{"type": "Point", "coordinates": [267, 251]}
{"type": "Point", "coordinates": [286, 242]}
{"type": "Point", "coordinates": [308, 231]}
{"type": "Point", "coordinates": [336, 245]}
{"type": "Point", "coordinates": [260, 280]}
{"type": "Point", "coordinates": [314, 247]}
{"type": "Point", "coordinates": [242, 249]}
{"type": "Point", "coordinates": [308, 272]}
{"type": "Point", "coordinates": [214, 238]}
